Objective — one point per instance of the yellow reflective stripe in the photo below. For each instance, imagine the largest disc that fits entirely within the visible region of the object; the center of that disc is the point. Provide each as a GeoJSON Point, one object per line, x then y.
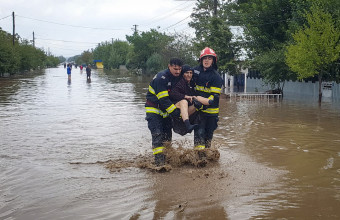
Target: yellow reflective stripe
{"type": "Point", "coordinates": [199, 147]}
{"type": "Point", "coordinates": [211, 97]}
{"type": "Point", "coordinates": [158, 150]}
{"type": "Point", "coordinates": [202, 89]}
{"type": "Point", "coordinates": [162, 94]}
{"type": "Point", "coordinates": [171, 108]}
{"type": "Point", "coordinates": [153, 110]}
{"type": "Point", "coordinates": [151, 90]}
{"type": "Point", "coordinates": [211, 110]}
{"type": "Point", "coordinates": [156, 111]}
{"type": "Point", "coordinates": [208, 90]}
{"type": "Point", "coordinates": [215, 90]}
{"type": "Point", "coordinates": [197, 109]}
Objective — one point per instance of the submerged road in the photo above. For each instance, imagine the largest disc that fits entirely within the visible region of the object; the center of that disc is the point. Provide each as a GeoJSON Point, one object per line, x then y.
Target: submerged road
{"type": "Point", "coordinates": [278, 159]}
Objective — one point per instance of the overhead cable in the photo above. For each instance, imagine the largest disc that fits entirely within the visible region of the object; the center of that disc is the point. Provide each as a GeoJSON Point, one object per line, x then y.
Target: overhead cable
{"type": "Point", "coordinates": [166, 15]}
{"type": "Point", "coordinates": [176, 23]}
{"type": "Point", "coordinates": [68, 41]}
{"type": "Point", "coordinates": [5, 17]}
{"type": "Point", "coordinates": [77, 26]}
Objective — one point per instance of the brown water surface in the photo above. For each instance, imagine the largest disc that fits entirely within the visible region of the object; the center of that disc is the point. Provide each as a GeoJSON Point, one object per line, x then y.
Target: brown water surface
{"type": "Point", "coordinates": [73, 150]}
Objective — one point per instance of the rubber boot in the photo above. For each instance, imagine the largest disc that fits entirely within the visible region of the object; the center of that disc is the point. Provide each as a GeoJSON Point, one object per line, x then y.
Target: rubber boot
{"type": "Point", "coordinates": [159, 159]}
{"type": "Point", "coordinates": [202, 155]}
{"type": "Point", "coordinates": [202, 162]}
{"type": "Point", "coordinates": [189, 126]}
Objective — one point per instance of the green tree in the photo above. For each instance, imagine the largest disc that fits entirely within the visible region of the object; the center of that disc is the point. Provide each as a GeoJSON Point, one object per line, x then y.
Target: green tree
{"type": "Point", "coordinates": [52, 61]}
{"type": "Point", "coordinates": [183, 48]}
{"type": "Point", "coordinates": [112, 54]}
{"type": "Point", "coordinates": [146, 44]}
{"type": "Point", "coordinates": [87, 57]}
{"type": "Point", "coordinates": [273, 70]}
{"type": "Point", "coordinates": [22, 56]}
{"type": "Point", "coordinates": [266, 30]}
{"type": "Point", "coordinates": [118, 54]}
{"type": "Point", "coordinates": [154, 63]}
{"type": "Point", "coordinates": [265, 24]}
{"type": "Point", "coordinates": [9, 55]}
{"type": "Point", "coordinates": [31, 58]}
{"type": "Point", "coordinates": [61, 59]}
{"type": "Point", "coordinates": [75, 59]}
{"type": "Point", "coordinates": [212, 30]}
{"type": "Point", "coordinates": [315, 46]}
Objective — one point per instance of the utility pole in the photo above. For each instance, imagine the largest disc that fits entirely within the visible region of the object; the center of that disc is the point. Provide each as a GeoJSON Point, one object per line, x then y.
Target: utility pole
{"type": "Point", "coordinates": [215, 8]}
{"type": "Point", "coordinates": [13, 27]}
{"type": "Point", "coordinates": [135, 25]}
{"type": "Point", "coordinates": [33, 40]}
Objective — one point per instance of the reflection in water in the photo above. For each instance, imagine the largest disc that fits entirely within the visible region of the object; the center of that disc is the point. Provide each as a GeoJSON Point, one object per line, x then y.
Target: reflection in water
{"type": "Point", "coordinates": [188, 194]}
{"type": "Point", "coordinates": [278, 159]}
{"type": "Point", "coordinates": [299, 138]}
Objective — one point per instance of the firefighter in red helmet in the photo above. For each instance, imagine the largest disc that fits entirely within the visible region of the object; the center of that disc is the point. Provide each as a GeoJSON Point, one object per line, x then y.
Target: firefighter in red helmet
{"type": "Point", "coordinates": [208, 85]}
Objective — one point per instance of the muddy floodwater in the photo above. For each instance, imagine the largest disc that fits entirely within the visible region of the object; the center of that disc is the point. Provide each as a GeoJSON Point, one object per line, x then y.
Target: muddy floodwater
{"type": "Point", "coordinates": [73, 150]}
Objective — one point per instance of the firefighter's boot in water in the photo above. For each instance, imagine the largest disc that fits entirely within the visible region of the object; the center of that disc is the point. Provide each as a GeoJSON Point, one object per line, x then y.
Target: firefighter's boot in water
{"type": "Point", "coordinates": [159, 160]}
{"type": "Point", "coordinates": [202, 159]}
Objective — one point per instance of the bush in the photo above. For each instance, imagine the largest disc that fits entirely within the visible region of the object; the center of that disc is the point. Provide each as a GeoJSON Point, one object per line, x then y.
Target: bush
{"type": "Point", "coordinates": [154, 64]}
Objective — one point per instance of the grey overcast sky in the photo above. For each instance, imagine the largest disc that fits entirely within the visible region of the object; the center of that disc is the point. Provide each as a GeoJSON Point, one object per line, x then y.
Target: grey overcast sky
{"type": "Point", "coordinates": [68, 27]}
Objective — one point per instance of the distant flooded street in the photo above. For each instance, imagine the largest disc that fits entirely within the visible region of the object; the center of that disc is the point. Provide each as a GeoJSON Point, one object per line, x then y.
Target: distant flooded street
{"type": "Point", "coordinates": [279, 160]}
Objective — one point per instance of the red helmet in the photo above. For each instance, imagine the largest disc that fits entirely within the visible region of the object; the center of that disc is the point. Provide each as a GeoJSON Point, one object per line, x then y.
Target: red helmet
{"type": "Point", "coordinates": [208, 52]}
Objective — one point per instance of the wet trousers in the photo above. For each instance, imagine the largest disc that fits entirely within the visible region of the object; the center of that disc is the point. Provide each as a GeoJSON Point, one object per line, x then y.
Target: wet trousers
{"type": "Point", "coordinates": [204, 132]}
{"type": "Point", "coordinates": [160, 129]}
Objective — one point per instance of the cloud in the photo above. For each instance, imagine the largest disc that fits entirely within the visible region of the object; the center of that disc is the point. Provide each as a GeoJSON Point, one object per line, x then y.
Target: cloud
{"type": "Point", "coordinates": [68, 27]}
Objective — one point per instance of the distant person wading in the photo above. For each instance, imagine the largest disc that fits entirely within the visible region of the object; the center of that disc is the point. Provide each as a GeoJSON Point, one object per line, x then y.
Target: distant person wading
{"type": "Point", "coordinates": [88, 71]}
{"type": "Point", "coordinates": [69, 68]}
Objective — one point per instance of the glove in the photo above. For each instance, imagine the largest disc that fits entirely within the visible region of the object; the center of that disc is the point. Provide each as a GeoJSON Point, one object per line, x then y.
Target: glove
{"type": "Point", "coordinates": [176, 113]}
{"type": "Point", "coordinates": [215, 100]}
{"type": "Point", "coordinates": [198, 105]}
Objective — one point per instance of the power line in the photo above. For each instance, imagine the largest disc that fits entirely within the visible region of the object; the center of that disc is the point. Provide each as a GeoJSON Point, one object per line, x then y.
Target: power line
{"type": "Point", "coordinates": [68, 41]}
{"type": "Point", "coordinates": [164, 16]}
{"type": "Point", "coordinates": [77, 26]}
{"type": "Point", "coordinates": [5, 17]}
{"type": "Point", "coordinates": [63, 48]}
{"type": "Point", "coordinates": [177, 22]}
{"type": "Point", "coordinates": [76, 47]}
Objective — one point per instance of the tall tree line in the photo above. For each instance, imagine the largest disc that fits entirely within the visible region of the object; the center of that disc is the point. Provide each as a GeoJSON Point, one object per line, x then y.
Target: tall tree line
{"type": "Point", "coordinates": [22, 56]}
{"type": "Point", "coordinates": [290, 39]}
{"type": "Point", "coordinates": [148, 51]}
{"type": "Point", "coordinates": [283, 39]}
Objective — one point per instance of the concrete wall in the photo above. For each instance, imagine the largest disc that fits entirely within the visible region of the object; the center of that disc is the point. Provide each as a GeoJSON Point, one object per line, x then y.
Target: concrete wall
{"type": "Point", "coordinates": [293, 88]}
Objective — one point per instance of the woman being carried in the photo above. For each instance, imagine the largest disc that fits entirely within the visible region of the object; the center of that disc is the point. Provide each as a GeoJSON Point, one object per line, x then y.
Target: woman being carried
{"type": "Point", "coordinates": [184, 97]}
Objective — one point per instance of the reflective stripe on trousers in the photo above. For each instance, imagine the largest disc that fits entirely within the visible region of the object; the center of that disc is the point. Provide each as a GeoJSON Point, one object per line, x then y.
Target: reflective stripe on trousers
{"type": "Point", "coordinates": [203, 134]}
{"type": "Point", "coordinates": [160, 129]}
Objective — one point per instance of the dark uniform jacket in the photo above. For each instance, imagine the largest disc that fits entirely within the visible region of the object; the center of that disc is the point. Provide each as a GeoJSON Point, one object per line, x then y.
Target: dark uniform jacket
{"type": "Point", "coordinates": [157, 97]}
{"type": "Point", "coordinates": [208, 84]}
{"type": "Point", "coordinates": [181, 89]}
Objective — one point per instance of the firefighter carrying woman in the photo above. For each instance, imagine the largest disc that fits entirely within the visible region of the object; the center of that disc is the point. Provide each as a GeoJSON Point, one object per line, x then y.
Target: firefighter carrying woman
{"type": "Point", "coordinates": [179, 92]}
